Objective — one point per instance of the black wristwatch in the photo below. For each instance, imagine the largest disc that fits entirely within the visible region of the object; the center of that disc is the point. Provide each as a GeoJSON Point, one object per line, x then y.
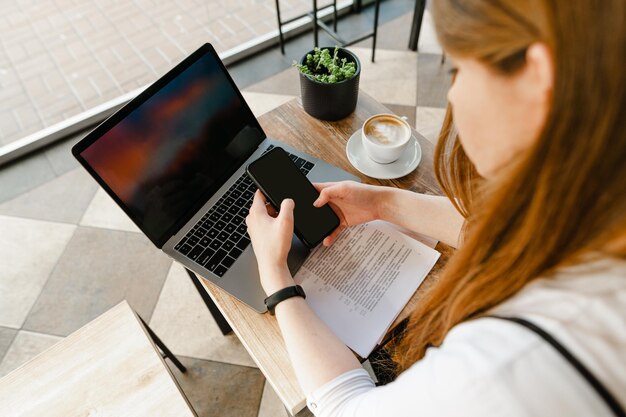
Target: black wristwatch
{"type": "Point", "coordinates": [281, 295]}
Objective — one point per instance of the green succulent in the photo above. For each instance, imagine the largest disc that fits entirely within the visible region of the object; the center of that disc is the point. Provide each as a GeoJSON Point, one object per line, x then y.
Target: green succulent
{"type": "Point", "coordinates": [325, 68]}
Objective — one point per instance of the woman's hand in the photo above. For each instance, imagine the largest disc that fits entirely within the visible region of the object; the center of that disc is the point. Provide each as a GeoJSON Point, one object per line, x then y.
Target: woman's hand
{"type": "Point", "coordinates": [353, 202]}
{"type": "Point", "coordinates": [271, 234]}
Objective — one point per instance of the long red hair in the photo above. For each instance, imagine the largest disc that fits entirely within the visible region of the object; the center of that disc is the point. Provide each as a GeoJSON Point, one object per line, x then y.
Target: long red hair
{"type": "Point", "coordinates": [563, 201]}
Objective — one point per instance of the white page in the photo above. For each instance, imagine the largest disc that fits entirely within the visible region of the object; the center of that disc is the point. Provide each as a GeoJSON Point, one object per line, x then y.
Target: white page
{"type": "Point", "coordinates": [360, 284]}
{"type": "Point", "coordinates": [426, 240]}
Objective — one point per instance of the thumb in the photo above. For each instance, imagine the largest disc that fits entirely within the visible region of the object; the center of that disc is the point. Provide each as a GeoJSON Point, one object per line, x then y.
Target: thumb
{"type": "Point", "coordinates": [324, 197]}
{"type": "Point", "coordinates": [258, 203]}
{"type": "Point", "coordinates": [286, 210]}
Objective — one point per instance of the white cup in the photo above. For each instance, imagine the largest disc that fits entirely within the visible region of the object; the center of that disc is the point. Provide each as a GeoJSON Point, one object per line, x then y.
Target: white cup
{"type": "Point", "coordinates": [385, 137]}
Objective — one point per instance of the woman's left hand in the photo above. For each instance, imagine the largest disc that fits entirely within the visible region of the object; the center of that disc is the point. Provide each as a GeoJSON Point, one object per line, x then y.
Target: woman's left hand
{"type": "Point", "coordinates": [271, 239]}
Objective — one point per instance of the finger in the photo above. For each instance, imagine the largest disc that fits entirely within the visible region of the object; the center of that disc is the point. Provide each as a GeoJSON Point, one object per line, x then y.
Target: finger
{"type": "Point", "coordinates": [325, 196]}
{"type": "Point", "coordinates": [258, 203]}
{"type": "Point", "coordinates": [328, 240]}
{"type": "Point", "coordinates": [286, 210]}
{"type": "Point", "coordinates": [319, 186]}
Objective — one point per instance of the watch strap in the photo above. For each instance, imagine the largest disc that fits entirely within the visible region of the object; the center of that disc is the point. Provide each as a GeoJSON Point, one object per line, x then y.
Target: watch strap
{"type": "Point", "coordinates": [281, 295]}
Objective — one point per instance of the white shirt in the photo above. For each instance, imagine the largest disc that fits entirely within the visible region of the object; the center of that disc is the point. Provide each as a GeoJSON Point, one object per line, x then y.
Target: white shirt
{"type": "Point", "coordinates": [492, 367]}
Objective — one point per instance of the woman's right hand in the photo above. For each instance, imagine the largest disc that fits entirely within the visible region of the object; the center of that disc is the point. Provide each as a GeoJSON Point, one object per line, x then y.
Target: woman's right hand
{"type": "Point", "coordinates": [354, 203]}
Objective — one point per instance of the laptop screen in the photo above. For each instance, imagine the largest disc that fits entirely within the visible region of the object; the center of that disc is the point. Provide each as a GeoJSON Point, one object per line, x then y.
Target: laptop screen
{"type": "Point", "coordinates": [164, 155]}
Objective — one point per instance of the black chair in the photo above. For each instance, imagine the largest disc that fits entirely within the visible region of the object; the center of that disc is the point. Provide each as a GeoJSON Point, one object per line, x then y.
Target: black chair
{"type": "Point", "coordinates": [416, 26]}
{"type": "Point", "coordinates": [215, 312]}
{"type": "Point", "coordinates": [318, 23]}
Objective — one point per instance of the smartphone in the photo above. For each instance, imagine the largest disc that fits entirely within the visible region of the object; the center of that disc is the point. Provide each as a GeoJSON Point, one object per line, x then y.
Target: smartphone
{"type": "Point", "coordinates": [278, 177]}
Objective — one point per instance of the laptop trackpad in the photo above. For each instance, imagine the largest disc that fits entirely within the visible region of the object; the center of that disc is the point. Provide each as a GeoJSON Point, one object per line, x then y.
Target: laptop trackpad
{"type": "Point", "coordinates": [297, 255]}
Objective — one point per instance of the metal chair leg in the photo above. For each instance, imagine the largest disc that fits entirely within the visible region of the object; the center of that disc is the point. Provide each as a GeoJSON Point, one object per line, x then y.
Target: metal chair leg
{"type": "Point", "coordinates": [166, 352]}
{"type": "Point", "coordinates": [335, 15]}
{"type": "Point", "coordinates": [315, 23]}
{"type": "Point", "coordinates": [215, 312]}
{"type": "Point", "coordinates": [280, 30]}
{"type": "Point", "coordinates": [416, 25]}
{"type": "Point", "coordinates": [376, 12]}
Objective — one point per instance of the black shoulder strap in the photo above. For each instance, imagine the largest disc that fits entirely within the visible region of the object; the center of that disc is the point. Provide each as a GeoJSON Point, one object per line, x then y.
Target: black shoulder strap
{"type": "Point", "coordinates": [604, 393]}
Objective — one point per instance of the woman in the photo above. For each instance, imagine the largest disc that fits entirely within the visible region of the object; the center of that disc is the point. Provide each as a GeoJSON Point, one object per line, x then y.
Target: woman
{"type": "Point", "coordinates": [534, 169]}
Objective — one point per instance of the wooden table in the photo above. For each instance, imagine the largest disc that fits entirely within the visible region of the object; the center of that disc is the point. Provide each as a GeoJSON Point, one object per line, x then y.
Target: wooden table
{"type": "Point", "coordinates": [259, 333]}
{"type": "Point", "coordinates": [109, 367]}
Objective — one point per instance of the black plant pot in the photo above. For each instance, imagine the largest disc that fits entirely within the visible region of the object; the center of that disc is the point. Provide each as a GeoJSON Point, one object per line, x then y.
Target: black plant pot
{"type": "Point", "coordinates": [330, 101]}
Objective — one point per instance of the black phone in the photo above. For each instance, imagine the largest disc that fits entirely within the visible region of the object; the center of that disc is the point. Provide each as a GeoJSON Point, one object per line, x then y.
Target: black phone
{"type": "Point", "coordinates": [278, 177]}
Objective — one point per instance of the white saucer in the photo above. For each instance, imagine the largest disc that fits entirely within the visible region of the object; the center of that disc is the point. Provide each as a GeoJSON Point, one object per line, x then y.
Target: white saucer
{"type": "Point", "coordinates": [357, 156]}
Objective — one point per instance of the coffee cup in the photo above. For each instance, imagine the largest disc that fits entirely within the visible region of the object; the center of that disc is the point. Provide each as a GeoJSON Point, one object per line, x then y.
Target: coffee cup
{"type": "Point", "coordinates": [385, 137]}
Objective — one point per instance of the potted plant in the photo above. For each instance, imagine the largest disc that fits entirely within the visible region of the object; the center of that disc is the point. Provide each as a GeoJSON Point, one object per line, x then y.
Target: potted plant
{"type": "Point", "coordinates": [329, 84]}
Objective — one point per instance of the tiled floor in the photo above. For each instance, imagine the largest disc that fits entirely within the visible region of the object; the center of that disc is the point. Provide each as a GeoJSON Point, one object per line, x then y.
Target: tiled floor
{"type": "Point", "coordinates": [68, 253]}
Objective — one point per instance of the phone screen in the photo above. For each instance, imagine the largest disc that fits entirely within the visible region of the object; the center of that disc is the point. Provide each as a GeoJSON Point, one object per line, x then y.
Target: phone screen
{"type": "Point", "coordinates": [279, 178]}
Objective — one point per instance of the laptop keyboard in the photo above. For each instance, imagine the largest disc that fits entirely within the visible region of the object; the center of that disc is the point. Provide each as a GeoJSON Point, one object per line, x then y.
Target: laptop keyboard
{"type": "Point", "coordinates": [220, 236]}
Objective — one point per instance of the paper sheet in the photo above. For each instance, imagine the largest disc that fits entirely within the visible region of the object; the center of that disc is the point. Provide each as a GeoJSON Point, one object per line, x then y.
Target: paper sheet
{"type": "Point", "coordinates": [360, 284]}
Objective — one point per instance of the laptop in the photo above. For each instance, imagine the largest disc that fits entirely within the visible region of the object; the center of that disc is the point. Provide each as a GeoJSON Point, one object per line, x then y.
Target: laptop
{"type": "Point", "coordinates": [174, 160]}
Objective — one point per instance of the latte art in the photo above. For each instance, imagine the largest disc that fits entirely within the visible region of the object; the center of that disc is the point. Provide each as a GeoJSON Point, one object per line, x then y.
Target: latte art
{"type": "Point", "coordinates": [384, 137]}
{"type": "Point", "coordinates": [386, 131]}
